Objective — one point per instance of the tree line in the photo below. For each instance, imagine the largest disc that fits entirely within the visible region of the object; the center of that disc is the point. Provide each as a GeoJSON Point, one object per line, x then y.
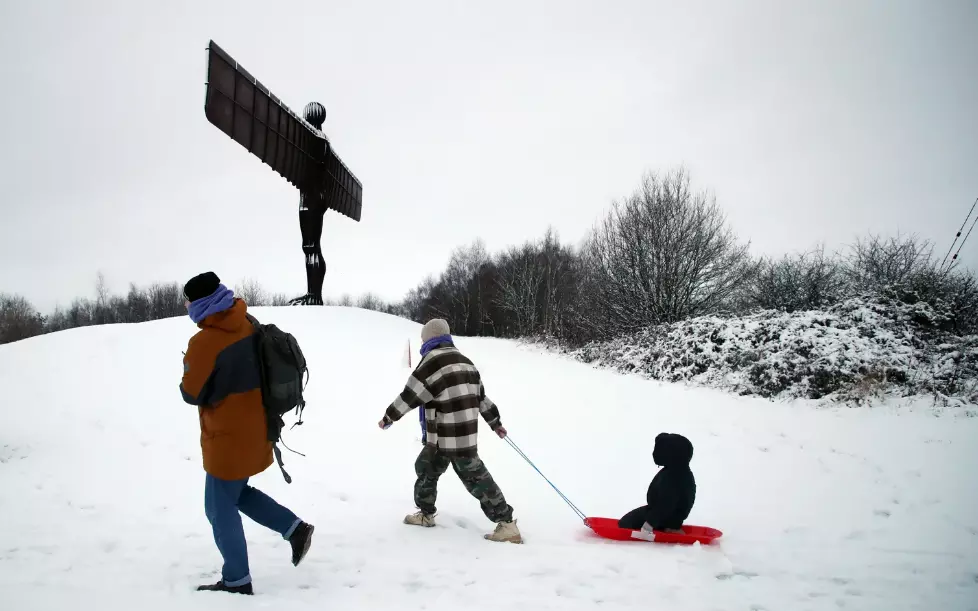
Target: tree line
{"type": "Point", "coordinates": [663, 254]}
{"type": "Point", "coordinates": [19, 319]}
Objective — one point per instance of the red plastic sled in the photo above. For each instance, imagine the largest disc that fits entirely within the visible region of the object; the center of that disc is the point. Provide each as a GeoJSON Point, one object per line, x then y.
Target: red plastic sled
{"type": "Point", "coordinates": [608, 528]}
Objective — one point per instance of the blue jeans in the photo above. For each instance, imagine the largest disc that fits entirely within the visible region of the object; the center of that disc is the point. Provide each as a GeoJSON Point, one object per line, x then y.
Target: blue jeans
{"type": "Point", "coordinates": [223, 500]}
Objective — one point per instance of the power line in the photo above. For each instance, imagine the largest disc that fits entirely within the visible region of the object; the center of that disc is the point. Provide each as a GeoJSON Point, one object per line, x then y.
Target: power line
{"type": "Point", "coordinates": [958, 236]}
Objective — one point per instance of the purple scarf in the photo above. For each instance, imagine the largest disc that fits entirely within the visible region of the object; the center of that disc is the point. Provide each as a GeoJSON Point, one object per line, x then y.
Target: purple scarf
{"type": "Point", "coordinates": [432, 343]}
{"type": "Point", "coordinates": [427, 347]}
{"type": "Point", "coordinates": [222, 299]}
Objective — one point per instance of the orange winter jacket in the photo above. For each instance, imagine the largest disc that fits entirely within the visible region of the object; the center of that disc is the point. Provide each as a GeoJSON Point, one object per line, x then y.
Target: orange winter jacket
{"type": "Point", "coordinates": [221, 376]}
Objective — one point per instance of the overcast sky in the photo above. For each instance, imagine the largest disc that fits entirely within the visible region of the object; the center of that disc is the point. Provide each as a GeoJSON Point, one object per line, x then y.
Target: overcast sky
{"type": "Point", "coordinates": [809, 121]}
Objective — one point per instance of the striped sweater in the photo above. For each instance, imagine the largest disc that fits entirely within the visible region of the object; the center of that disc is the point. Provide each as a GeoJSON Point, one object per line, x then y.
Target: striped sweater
{"type": "Point", "coordinates": [450, 388]}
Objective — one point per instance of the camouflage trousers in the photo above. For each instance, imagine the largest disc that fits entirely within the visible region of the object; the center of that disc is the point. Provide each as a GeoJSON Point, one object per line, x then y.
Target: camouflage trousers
{"type": "Point", "coordinates": [432, 464]}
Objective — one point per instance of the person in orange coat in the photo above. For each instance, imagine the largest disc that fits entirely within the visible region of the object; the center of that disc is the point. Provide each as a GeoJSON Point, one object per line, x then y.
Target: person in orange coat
{"type": "Point", "coordinates": [221, 376]}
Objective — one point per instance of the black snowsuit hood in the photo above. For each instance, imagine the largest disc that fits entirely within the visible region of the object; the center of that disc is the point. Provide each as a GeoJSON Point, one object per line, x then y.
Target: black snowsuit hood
{"type": "Point", "coordinates": [672, 450]}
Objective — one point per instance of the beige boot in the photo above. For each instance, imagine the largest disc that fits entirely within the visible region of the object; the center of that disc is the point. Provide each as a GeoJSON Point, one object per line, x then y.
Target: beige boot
{"type": "Point", "coordinates": [506, 532]}
{"type": "Point", "coordinates": [420, 519]}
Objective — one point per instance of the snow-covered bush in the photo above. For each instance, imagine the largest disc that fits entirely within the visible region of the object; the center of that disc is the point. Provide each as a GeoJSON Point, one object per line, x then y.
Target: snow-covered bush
{"type": "Point", "coordinates": [890, 343]}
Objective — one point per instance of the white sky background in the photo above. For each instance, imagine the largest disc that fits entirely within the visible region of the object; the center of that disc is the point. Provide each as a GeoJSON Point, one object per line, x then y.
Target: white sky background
{"type": "Point", "coordinates": [809, 121]}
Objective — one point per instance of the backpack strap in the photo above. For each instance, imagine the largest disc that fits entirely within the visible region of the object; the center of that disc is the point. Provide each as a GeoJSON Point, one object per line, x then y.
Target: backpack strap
{"type": "Point", "coordinates": [278, 458]}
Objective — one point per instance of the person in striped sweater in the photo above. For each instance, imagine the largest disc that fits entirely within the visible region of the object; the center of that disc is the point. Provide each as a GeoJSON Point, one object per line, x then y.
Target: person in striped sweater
{"type": "Point", "coordinates": [448, 386]}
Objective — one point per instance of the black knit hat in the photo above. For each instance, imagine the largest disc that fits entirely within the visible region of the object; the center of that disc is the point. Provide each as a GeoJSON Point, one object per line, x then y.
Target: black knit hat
{"type": "Point", "coordinates": [201, 286]}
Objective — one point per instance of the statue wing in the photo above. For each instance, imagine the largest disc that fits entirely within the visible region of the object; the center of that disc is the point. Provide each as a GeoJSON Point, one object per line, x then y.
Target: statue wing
{"type": "Point", "coordinates": [244, 109]}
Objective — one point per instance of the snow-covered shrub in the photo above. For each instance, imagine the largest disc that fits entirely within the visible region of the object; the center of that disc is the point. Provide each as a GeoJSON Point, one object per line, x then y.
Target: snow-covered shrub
{"type": "Point", "coordinates": [890, 343]}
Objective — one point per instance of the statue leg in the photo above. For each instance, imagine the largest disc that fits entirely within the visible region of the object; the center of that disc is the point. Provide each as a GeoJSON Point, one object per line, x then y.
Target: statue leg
{"type": "Point", "coordinates": [311, 226]}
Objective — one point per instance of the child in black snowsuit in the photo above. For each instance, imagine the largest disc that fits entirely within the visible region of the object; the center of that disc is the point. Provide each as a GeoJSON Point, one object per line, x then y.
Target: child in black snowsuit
{"type": "Point", "coordinates": [672, 491]}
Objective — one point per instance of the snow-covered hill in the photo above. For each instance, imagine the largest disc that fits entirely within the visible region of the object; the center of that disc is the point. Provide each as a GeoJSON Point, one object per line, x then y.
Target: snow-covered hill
{"type": "Point", "coordinates": [101, 489]}
{"type": "Point", "coordinates": [861, 351]}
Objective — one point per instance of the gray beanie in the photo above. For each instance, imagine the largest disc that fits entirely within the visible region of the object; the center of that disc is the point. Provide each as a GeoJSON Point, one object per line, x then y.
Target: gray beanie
{"type": "Point", "coordinates": [434, 328]}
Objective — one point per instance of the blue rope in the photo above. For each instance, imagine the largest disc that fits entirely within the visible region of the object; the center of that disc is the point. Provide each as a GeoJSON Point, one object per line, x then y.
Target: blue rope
{"type": "Point", "coordinates": [530, 462]}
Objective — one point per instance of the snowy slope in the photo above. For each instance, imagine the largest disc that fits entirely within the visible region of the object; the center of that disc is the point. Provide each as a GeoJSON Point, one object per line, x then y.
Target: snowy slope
{"type": "Point", "coordinates": [101, 490]}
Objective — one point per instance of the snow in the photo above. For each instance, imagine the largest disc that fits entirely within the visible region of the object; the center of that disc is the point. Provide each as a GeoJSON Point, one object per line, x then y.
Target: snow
{"type": "Point", "coordinates": [862, 351]}
{"type": "Point", "coordinates": [101, 489]}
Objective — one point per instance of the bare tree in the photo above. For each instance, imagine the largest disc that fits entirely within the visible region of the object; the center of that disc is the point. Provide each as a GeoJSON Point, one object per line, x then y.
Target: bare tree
{"type": "Point", "coordinates": [101, 313]}
{"type": "Point", "coordinates": [166, 301]}
{"type": "Point", "coordinates": [137, 305]}
{"type": "Point", "coordinates": [18, 319]}
{"type": "Point", "coordinates": [876, 263]}
{"type": "Point", "coordinates": [559, 284]}
{"type": "Point", "coordinates": [369, 301]}
{"type": "Point", "coordinates": [252, 292]}
{"type": "Point", "coordinates": [520, 282]}
{"type": "Point", "coordinates": [80, 314]}
{"type": "Point", "coordinates": [57, 321]}
{"type": "Point", "coordinates": [662, 255]}
{"type": "Point", "coordinates": [959, 288]}
{"type": "Point", "coordinates": [415, 302]}
{"type": "Point", "coordinates": [463, 267]}
{"type": "Point", "coordinates": [804, 281]}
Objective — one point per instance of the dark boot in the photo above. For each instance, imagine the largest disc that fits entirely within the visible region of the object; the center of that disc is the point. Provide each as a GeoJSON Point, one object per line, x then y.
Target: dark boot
{"type": "Point", "coordinates": [307, 300]}
{"type": "Point", "coordinates": [221, 587]}
{"type": "Point", "coordinates": [301, 539]}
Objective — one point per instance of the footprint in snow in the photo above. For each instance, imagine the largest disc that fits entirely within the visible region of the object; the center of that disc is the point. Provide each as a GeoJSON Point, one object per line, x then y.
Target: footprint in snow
{"type": "Point", "coordinates": [564, 592]}
{"type": "Point", "coordinates": [883, 513]}
{"type": "Point", "coordinates": [763, 449]}
{"type": "Point", "coordinates": [727, 576]}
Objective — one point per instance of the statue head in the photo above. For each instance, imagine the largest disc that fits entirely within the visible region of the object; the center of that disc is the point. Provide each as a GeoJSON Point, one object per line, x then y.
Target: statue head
{"type": "Point", "coordinates": [315, 114]}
